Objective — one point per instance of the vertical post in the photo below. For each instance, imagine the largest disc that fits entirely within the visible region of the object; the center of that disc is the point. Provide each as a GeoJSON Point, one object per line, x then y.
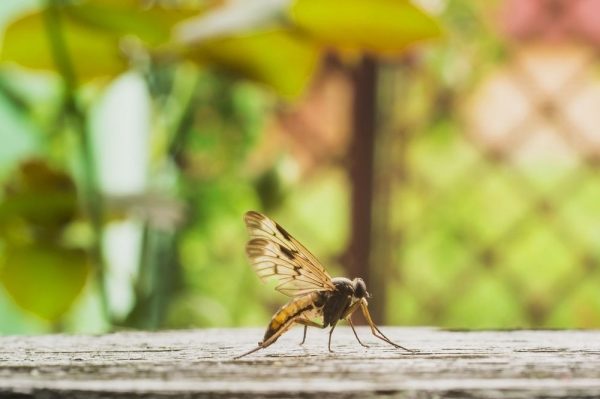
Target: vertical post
{"type": "Point", "coordinates": [382, 246]}
{"type": "Point", "coordinates": [361, 173]}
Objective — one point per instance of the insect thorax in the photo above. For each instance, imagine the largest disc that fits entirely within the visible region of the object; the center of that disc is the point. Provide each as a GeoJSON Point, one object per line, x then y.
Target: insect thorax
{"type": "Point", "coordinates": [343, 285]}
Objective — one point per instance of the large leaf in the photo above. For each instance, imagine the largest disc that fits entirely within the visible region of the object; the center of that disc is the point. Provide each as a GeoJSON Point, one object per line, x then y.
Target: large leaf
{"type": "Point", "coordinates": [152, 24]}
{"type": "Point", "coordinates": [92, 32]}
{"type": "Point", "coordinates": [286, 56]}
{"type": "Point", "coordinates": [232, 18]}
{"type": "Point", "coordinates": [275, 57]}
{"type": "Point", "coordinates": [42, 279]}
{"type": "Point", "coordinates": [377, 26]}
{"type": "Point", "coordinates": [93, 52]}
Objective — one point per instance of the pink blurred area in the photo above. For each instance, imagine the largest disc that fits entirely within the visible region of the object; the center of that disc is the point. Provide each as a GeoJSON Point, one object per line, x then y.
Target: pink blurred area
{"type": "Point", "coordinates": [552, 19]}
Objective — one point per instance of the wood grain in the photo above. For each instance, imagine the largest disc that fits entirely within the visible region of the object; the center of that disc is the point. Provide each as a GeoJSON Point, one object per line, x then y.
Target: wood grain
{"type": "Point", "coordinates": [198, 363]}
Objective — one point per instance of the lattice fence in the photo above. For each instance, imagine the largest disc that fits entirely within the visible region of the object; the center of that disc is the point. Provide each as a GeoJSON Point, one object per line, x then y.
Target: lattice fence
{"type": "Point", "coordinates": [488, 191]}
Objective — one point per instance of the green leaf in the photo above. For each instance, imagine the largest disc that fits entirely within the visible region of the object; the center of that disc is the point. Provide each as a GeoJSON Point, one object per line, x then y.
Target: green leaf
{"type": "Point", "coordinates": [151, 24]}
{"type": "Point", "coordinates": [377, 26]}
{"type": "Point", "coordinates": [92, 32]}
{"type": "Point", "coordinates": [44, 280]}
{"type": "Point", "coordinates": [93, 52]}
{"type": "Point", "coordinates": [40, 196]}
{"type": "Point", "coordinates": [277, 58]}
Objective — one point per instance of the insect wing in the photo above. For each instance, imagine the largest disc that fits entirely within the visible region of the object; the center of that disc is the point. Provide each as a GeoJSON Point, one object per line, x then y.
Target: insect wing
{"type": "Point", "coordinates": [274, 253]}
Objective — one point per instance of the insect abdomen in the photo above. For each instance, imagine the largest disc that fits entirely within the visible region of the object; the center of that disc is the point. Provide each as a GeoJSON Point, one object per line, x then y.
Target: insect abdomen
{"type": "Point", "coordinates": [290, 311]}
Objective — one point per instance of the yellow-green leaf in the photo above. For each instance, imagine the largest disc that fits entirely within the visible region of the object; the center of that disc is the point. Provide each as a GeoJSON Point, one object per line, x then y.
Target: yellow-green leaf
{"type": "Point", "coordinates": [39, 196]}
{"type": "Point", "coordinates": [276, 58]}
{"type": "Point", "coordinates": [377, 26]}
{"type": "Point", "coordinates": [92, 31]}
{"type": "Point", "coordinates": [152, 24]}
{"type": "Point", "coordinates": [93, 53]}
{"type": "Point", "coordinates": [44, 280]}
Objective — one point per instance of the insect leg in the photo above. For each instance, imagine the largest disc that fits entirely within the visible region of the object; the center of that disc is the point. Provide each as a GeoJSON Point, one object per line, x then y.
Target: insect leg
{"type": "Point", "coordinates": [304, 335]}
{"type": "Point", "coordinates": [272, 338]}
{"type": "Point", "coordinates": [331, 332]}
{"type": "Point", "coordinates": [349, 319]}
{"type": "Point", "coordinates": [308, 323]}
{"type": "Point", "coordinates": [348, 316]}
{"type": "Point", "coordinates": [374, 330]}
{"type": "Point", "coordinates": [249, 352]}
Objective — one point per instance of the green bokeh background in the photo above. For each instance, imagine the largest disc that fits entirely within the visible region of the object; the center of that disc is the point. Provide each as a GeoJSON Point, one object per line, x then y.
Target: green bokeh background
{"type": "Point", "coordinates": [469, 240]}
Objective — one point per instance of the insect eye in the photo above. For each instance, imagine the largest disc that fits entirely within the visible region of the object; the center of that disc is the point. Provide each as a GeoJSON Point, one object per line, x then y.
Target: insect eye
{"type": "Point", "coordinates": [360, 288]}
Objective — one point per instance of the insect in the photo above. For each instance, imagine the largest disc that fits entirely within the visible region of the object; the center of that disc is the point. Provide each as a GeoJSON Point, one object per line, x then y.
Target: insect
{"type": "Point", "coordinates": [274, 253]}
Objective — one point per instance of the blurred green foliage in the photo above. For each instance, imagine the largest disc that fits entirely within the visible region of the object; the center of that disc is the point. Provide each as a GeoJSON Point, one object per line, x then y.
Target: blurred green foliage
{"type": "Point", "coordinates": [58, 258]}
{"type": "Point", "coordinates": [41, 271]}
{"type": "Point", "coordinates": [471, 240]}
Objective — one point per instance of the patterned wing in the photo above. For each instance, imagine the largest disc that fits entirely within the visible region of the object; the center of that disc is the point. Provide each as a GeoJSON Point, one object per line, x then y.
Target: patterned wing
{"type": "Point", "coordinates": [275, 253]}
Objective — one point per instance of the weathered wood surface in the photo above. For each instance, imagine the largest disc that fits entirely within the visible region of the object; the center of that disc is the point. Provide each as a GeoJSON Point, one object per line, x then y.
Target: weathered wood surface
{"type": "Point", "coordinates": [543, 364]}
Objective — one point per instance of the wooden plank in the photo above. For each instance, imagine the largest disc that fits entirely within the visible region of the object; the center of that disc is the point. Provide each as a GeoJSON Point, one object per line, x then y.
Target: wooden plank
{"type": "Point", "coordinates": [199, 363]}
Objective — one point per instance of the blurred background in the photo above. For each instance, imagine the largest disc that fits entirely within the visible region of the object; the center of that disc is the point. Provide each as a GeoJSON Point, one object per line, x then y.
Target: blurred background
{"type": "Point", "coordinates": [447, 151]}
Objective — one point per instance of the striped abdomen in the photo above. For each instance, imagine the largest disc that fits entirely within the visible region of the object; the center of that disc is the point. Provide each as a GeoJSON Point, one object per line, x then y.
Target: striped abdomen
{"type": "Point", "coordinates": [307, 306]}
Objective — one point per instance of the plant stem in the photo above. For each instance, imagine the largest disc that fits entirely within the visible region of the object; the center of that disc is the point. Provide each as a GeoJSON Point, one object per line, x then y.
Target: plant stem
{"type": "Point", "coordinates": [180, 128]}
{"type": "Point", "coordinates": [93, 201]}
